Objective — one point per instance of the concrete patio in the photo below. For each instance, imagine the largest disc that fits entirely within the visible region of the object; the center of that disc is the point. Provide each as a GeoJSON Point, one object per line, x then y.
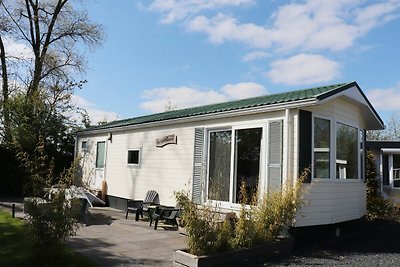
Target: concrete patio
{"type": "Point", "coordinates": [110, 240]}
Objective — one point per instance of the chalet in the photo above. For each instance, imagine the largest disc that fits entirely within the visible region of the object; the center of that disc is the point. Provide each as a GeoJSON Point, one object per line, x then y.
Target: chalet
{"type": "Point", "coordinates": [264, 141]}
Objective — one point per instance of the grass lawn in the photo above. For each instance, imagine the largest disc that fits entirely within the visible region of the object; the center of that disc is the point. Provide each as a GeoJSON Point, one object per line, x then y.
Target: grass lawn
{"type": "Point", "coordinates": [16, 248]}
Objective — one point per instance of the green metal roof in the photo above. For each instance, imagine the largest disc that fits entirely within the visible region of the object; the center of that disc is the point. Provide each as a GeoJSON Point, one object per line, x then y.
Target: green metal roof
{"type": "Point", "coordinates": [305, 94]}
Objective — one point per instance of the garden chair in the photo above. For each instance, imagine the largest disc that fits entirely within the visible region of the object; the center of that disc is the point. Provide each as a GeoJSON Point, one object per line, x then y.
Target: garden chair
{"type": "Point", "coordinates": [140, 206]}
{"type": "Point", "coordinates": [151, 198]}
{"type": "Point", "coordinates": [134, 206]}
{"type": "Point", "coordinates": [168, 214]}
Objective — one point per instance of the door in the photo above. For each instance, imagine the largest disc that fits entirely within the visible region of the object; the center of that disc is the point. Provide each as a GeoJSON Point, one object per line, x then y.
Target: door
{"type": "Point", "coordinates": [100, 164]}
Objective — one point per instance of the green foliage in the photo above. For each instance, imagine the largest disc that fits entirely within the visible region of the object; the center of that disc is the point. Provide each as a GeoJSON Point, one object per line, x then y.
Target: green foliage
{"type": "Point", "coordinates": [17, 248]}
{"type": "Point", "coordinates": [52, 217]}
{"type": "Point", "coordinates": [245, 234]}
{"type": "Point", "coordinates": [52, 221]}
{"type": "Point", "coordinates": [377, 206]}
{"type": "Point", "coordinates": [371, 177]}
{"type": "Point", "coordinates": [383, 209]}
{"type": "Point", "coordinates": [203, 226]}
{"type": "Point", "coordinates": [42, 137]}
{"type": "Point", "coordinates": [277, 210]}
{"type": "Point", "coordinates": [261, 222]}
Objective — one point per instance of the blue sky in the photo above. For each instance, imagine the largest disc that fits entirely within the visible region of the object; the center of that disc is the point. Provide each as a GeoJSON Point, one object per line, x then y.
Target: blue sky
{"type": "Point", "coordinates": [197, 52]}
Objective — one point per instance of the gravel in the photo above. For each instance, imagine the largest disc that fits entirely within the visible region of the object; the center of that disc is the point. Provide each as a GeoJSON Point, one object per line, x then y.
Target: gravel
{"type": "Point", "coordinates": [379, 245]}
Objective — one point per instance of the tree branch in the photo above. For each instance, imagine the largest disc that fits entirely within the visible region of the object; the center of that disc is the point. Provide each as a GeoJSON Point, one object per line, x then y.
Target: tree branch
{"type": "Point", "coordinates": [15, 22]}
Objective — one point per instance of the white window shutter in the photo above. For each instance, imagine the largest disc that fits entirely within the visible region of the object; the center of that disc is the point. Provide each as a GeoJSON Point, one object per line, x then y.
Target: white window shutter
{"type": "Point", "coordinates": [275, 156]}
{"type": "Point", "coordinates": [198, 165]}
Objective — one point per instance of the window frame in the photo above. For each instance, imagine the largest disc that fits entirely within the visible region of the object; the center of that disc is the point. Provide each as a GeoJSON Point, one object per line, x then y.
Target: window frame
{"type": "Point", "coordinates": [86, 148]}
{"type": "Point", "coordinates": [263, 160]}
{"type": "Point", "coordinates": [332, 133]}
{"type": "Point", "coordinates": [139, 150]}
{"type": "Point", "coordinates": [97, 152]}
{"type": "Point", "coordinates": [353, 125]}
{"type": "Point", "coordinates": [333, 149]}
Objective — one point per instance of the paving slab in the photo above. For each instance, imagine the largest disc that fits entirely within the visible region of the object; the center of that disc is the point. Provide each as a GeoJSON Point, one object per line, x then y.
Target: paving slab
{"type": "Point", "coordinates": [111, 240]}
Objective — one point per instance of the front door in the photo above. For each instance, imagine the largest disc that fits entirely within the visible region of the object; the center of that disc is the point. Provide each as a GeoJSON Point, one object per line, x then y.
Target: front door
{"type": "Point", "coordinates": [100, 164]}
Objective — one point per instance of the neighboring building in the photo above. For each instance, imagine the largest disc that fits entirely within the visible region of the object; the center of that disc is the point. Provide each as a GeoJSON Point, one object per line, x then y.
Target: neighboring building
{"type": "Point", "coordinates": [387, 159]}
{"type": "Point", "coordinates": [264, 141]}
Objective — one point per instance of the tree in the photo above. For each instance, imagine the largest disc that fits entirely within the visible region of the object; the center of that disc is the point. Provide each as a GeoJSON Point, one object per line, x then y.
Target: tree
{"type": "Point", "coordinates": [37, 86]}
{"type": "Point", "coordinates": [391, 131]}
{"type": "Point", "coordinates": [53, 31]}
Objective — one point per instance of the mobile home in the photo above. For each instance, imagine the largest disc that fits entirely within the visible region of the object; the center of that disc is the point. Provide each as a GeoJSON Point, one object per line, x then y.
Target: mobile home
{"type": "Point", "coordinates": [263, 141]}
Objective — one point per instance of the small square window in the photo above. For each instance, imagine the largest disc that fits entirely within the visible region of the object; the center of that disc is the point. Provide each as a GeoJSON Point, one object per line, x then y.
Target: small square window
{"type": "Point", "coordinates": [134, 156]}
{"type": "Point", "coordinates": [84, 145]}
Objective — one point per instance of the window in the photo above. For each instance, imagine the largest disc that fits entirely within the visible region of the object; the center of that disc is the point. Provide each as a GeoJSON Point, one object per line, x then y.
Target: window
{"type": "Point", "coordinates": [322, 140]}
{"type": "Point", "coordinates": [134, 156]}
{"type": "Point", "coordinates": [84, 146]}
{"type": "Point", "coordinates": [396, 170]}
{"type": "Point", "coordinates": [219, 165]}
{"type": "Point", "coordinates": [346, 152]}
{"type": "Point", "coordinates": [100, 154]}
{"type": "Point", "coordinates": [246, 163]}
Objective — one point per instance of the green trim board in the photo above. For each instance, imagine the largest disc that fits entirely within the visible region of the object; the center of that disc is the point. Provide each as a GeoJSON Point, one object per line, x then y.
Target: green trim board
{"type": "Point", "coordinates": [316, 93]}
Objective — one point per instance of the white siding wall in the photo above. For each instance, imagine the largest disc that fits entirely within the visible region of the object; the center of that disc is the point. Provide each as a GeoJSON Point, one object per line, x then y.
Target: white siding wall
{"type": "Point", "coordinates": [329, 200]}
{"type": "Point", "coordinates": [170, 168]}
{"type": "Point", "coordinates": [166, 169]}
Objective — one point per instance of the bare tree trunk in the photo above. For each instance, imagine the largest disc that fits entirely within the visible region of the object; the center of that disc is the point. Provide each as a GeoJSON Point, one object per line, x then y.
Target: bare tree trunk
{"type": "Point", "coordinates": [5, 92]}
{"type": "Point", "coordinates": [39, 51]}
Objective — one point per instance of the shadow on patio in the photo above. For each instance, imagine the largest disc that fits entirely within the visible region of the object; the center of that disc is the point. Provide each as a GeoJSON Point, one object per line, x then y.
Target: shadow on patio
{"type": "Point", "coordinates": [110, 240]}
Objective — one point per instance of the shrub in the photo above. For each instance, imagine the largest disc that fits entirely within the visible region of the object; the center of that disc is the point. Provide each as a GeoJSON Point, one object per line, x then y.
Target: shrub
{"type": "Point", "coordinates": [278, 210]}
{"type": "Point", "coordinates": [245, 234]}
{"type": "Point", "coordinates": [206, 234]}
{"type": "Point", "coordinates": [260, 222]}
{"type": "Point", "coordinates": [53, 217]}
{"type": "Point", "coordinates": [377, 206]}
{"type": "Point", "coordinates": [51, 220]}
{"type": "Point", "coordinates": [384, 209]}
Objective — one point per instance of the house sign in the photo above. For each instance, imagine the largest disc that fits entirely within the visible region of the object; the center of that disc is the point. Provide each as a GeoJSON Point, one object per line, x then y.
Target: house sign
{"type": "Point", "coordinates": [166, 140]}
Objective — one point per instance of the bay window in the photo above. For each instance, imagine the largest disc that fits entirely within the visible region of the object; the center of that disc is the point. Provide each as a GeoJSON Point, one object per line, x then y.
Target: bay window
{"type": "Point", "coordinates": [346, 151]}
{"type": "Point", "coordinates": [322, 144]}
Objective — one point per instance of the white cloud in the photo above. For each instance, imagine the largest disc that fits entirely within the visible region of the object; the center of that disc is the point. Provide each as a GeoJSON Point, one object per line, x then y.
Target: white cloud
{"type": "Point", "coordinates": [385, 99]}
{"type": "Point", "coordinates": [303, 69]}
{"type": "Point", "coordinates": [95, 114]}
{"type": "Point", "coordinates": [311, 25]}
{"type": "Point", "coordinates": [184, 97]}
{"type": "Point", "coordinates": [222, 28]}
{"type": "Point", "coordinates": [176, 10]}
{"type": "Point", "coordinates": [17, 50]}
{"type": "Point", "coordinates": [255, 55]}
{"type": "Point", "coordinates": [377, 14]}
{"type": "Point", "coordinates": [243, 90]}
